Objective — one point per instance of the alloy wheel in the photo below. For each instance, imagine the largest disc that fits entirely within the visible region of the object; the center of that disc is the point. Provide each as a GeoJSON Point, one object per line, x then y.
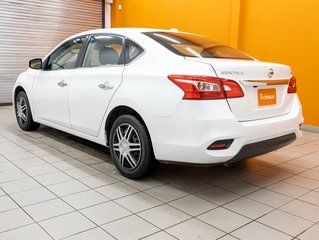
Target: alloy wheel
{"type": "Point", "coordinates": [22, 109]}
{"type": "Point", "coordinates": [127, 146]}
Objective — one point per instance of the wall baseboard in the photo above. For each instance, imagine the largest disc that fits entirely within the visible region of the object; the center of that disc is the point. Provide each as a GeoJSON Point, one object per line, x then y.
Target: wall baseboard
{"type": "Point", "coordinates": [5, 104]}
{"type": "Point", "coordinates": [309, 128]}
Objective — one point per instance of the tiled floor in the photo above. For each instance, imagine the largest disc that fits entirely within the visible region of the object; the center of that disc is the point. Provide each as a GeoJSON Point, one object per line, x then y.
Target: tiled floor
{"type": "Point", "coordinates": [54, 187]}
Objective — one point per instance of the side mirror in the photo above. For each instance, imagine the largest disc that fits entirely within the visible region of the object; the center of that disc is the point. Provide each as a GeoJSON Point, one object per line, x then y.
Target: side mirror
{"type": "Point", "coordinates": [35, 63]}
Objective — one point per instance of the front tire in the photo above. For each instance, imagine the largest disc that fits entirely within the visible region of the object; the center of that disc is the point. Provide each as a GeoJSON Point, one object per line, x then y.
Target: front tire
{"type": "Point", "coordinates": [131, 147]}
{"type": "Point", "coordinates": [23, 113]}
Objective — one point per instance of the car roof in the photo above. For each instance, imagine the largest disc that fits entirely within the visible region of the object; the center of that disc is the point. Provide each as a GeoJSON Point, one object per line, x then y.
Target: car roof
{"type": "Point", "coordinates": [133, 33]}
{"type": "Point", "coordinates": [123, 31]}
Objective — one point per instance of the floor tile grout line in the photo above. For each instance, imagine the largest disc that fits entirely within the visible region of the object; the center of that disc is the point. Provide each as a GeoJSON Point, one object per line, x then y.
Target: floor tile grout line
{"type": "Point", "coordinates": [97, 204]}
{"type": "Point", "coordinates": [107, 201]}
{"type": "Point", "coordinates": [307, 229]}
{"type": "Point", "coordinates": [29, 224]}
{"type": "Point", "coordinates": [98, 226]}
{"type": "Point", "coordinates": [240, 196]}
{"type": "Point", "coordinates": [173, 225]}
{"type": "Point", "coordinates": [277, 181]}
{"type": "Point", "coordinates": [274, 209]}
{"type": "Point", "coordinates": [278, 208]}
{"type": "Point", "coordinates": [157, 233]}
{"type": "Point", "coordinates": [228, 234]}
{"type": "Point", "coordinates": [61, 200]}
{"type": "Point", "coordinates": [63, 172]}
{"type": "Point", "coordinates": [253, 220]}
{"type": "Point", "coordinates": [34, 221]}
{"type": "Point", "coordinates": [263, 187]}
{"type": "Point", "coordinates": [296, 198]}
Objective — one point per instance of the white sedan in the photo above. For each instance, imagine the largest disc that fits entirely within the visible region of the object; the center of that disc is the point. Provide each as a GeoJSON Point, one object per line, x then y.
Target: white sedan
{"type": "Point", "coordinates": [154, 95]}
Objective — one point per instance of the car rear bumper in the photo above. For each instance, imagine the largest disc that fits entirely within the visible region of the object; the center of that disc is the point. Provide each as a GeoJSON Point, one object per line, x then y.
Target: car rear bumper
{"type": "Point", "coordinates": [259, 148]}
{"type": "Point", "coordinates": [185, 137]}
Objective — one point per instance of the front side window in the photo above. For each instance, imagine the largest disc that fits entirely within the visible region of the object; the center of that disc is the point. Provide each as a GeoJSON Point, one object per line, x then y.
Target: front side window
{"type": "Point", "coordinates": [66, 56]}
{"type": "Point", "coordinates": [103, 51]}
{"type": "Point", "coordinates": [189, 45]}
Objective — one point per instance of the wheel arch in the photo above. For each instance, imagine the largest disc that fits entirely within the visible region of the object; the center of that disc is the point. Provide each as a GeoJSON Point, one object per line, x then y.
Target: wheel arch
{"type": "Point", "coordinates": [118, 111]}
{"type": "Point", "coordinates": [15, 93]}
{"type": "Point", "coordinates": [17, 90]}
{"type": "Point", "coordinates": [28, 91]}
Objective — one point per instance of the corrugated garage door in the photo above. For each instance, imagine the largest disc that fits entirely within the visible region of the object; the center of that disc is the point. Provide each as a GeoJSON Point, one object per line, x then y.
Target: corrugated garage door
{"type": "Point", "coordinates": [31, 28]}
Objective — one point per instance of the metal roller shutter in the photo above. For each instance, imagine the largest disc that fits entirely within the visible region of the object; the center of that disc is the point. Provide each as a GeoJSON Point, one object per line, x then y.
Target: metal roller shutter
{"type": "Point", "coordinates": [30, 29]}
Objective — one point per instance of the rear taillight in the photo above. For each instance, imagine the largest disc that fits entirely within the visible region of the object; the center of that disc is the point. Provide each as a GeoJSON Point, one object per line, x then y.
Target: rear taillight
{"type": "Point", "coordinates": [232, 89]}
{"type": "Point", "coordinates": [206, 88]}
{"type": "Point", "coordinates": [292, 86]}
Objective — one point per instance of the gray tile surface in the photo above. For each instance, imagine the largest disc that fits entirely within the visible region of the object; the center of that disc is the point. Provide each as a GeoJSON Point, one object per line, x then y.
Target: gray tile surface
{"type": "Point", "coordinates": [29, 232]}
{"type": "Point", "coordinates": [164, 216]}
{"type": "Point", "coordinates": [258, 231]}
{"type": "Point", "coordinates": [130, 228]}
{"type": "Point", "coordinates": [194, 229]}
{"type": "Point", "coordinates": [226, 220]}
{"type": "Point", "coordinates": [66, 225]}
{"type": "Point", "coordinates": [52, 187]}
{"type": "Point", "coordinates": [105, 212]}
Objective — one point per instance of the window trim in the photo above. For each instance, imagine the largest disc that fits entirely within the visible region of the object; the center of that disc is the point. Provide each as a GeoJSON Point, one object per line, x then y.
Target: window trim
{"type": "Point", "coordinates": [46, 60]}
{"type": "Point", "coordinates": [127, 54]}
{"type": "Point", "coordinates": [88, 39]}
{"type": "Point", "coordinates": [84, 48]}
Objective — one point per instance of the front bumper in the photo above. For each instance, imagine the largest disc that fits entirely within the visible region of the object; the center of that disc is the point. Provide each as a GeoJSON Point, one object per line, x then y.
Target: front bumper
{"type": "Point", "coordinates": [184, 137]}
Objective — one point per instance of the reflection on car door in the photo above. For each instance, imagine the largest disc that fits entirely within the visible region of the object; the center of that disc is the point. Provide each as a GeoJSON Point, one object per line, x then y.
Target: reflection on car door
{"type": "Point", "coordinates": [94, 84]}
{"type": "Point", "coordinates": [51, 84]}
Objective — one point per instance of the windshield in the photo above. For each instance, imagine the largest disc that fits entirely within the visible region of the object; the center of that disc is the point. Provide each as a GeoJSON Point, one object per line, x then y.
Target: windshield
{"type": "Point", "coordinates": [189, 45]}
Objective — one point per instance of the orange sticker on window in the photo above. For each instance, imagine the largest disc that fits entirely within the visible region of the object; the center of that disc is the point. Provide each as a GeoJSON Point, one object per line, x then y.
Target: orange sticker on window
{"type": "Point", "coordinates": [267, 96]}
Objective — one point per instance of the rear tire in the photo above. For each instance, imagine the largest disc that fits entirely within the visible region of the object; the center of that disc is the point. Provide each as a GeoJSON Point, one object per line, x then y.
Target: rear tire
{"type": "Point", "coordinates": [23, 113]}
{"type": "Point", "coordinates": [131, 148]}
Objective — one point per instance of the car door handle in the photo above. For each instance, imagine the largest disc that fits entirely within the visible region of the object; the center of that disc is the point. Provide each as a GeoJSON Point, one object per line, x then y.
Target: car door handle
{"type": "Point", "coordinates": [62, 84]}
{"type": "Point", "coordinates": [106, 86]}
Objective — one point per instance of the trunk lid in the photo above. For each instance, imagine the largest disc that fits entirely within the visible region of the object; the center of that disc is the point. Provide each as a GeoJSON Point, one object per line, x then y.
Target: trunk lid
{"type": "Point", "coordinates": [264, 85]}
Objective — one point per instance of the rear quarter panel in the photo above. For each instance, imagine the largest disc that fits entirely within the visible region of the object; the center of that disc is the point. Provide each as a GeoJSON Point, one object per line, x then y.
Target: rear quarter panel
{"type": "Point", "coordinates": [147, 89]}
{"type": "Point", "coordinates": [146, 84]}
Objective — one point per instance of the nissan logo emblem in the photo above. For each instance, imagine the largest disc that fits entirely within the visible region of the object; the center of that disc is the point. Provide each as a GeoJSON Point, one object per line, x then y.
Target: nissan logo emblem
{"type": "Point", "coordinates": [270, 73]}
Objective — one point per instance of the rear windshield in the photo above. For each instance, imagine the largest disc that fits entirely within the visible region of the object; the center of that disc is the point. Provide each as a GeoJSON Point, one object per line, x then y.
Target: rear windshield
{"type": "Point", "coordinates": [189, 45]}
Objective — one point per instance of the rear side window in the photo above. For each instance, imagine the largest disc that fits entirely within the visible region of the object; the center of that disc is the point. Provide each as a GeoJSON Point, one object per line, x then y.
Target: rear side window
{"type": "Point", "coordinates": [104, 51]}
{"type": "Point", "coordinates": [132, 51]}
{"type": "Point", "coordinates": [189, 45]}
